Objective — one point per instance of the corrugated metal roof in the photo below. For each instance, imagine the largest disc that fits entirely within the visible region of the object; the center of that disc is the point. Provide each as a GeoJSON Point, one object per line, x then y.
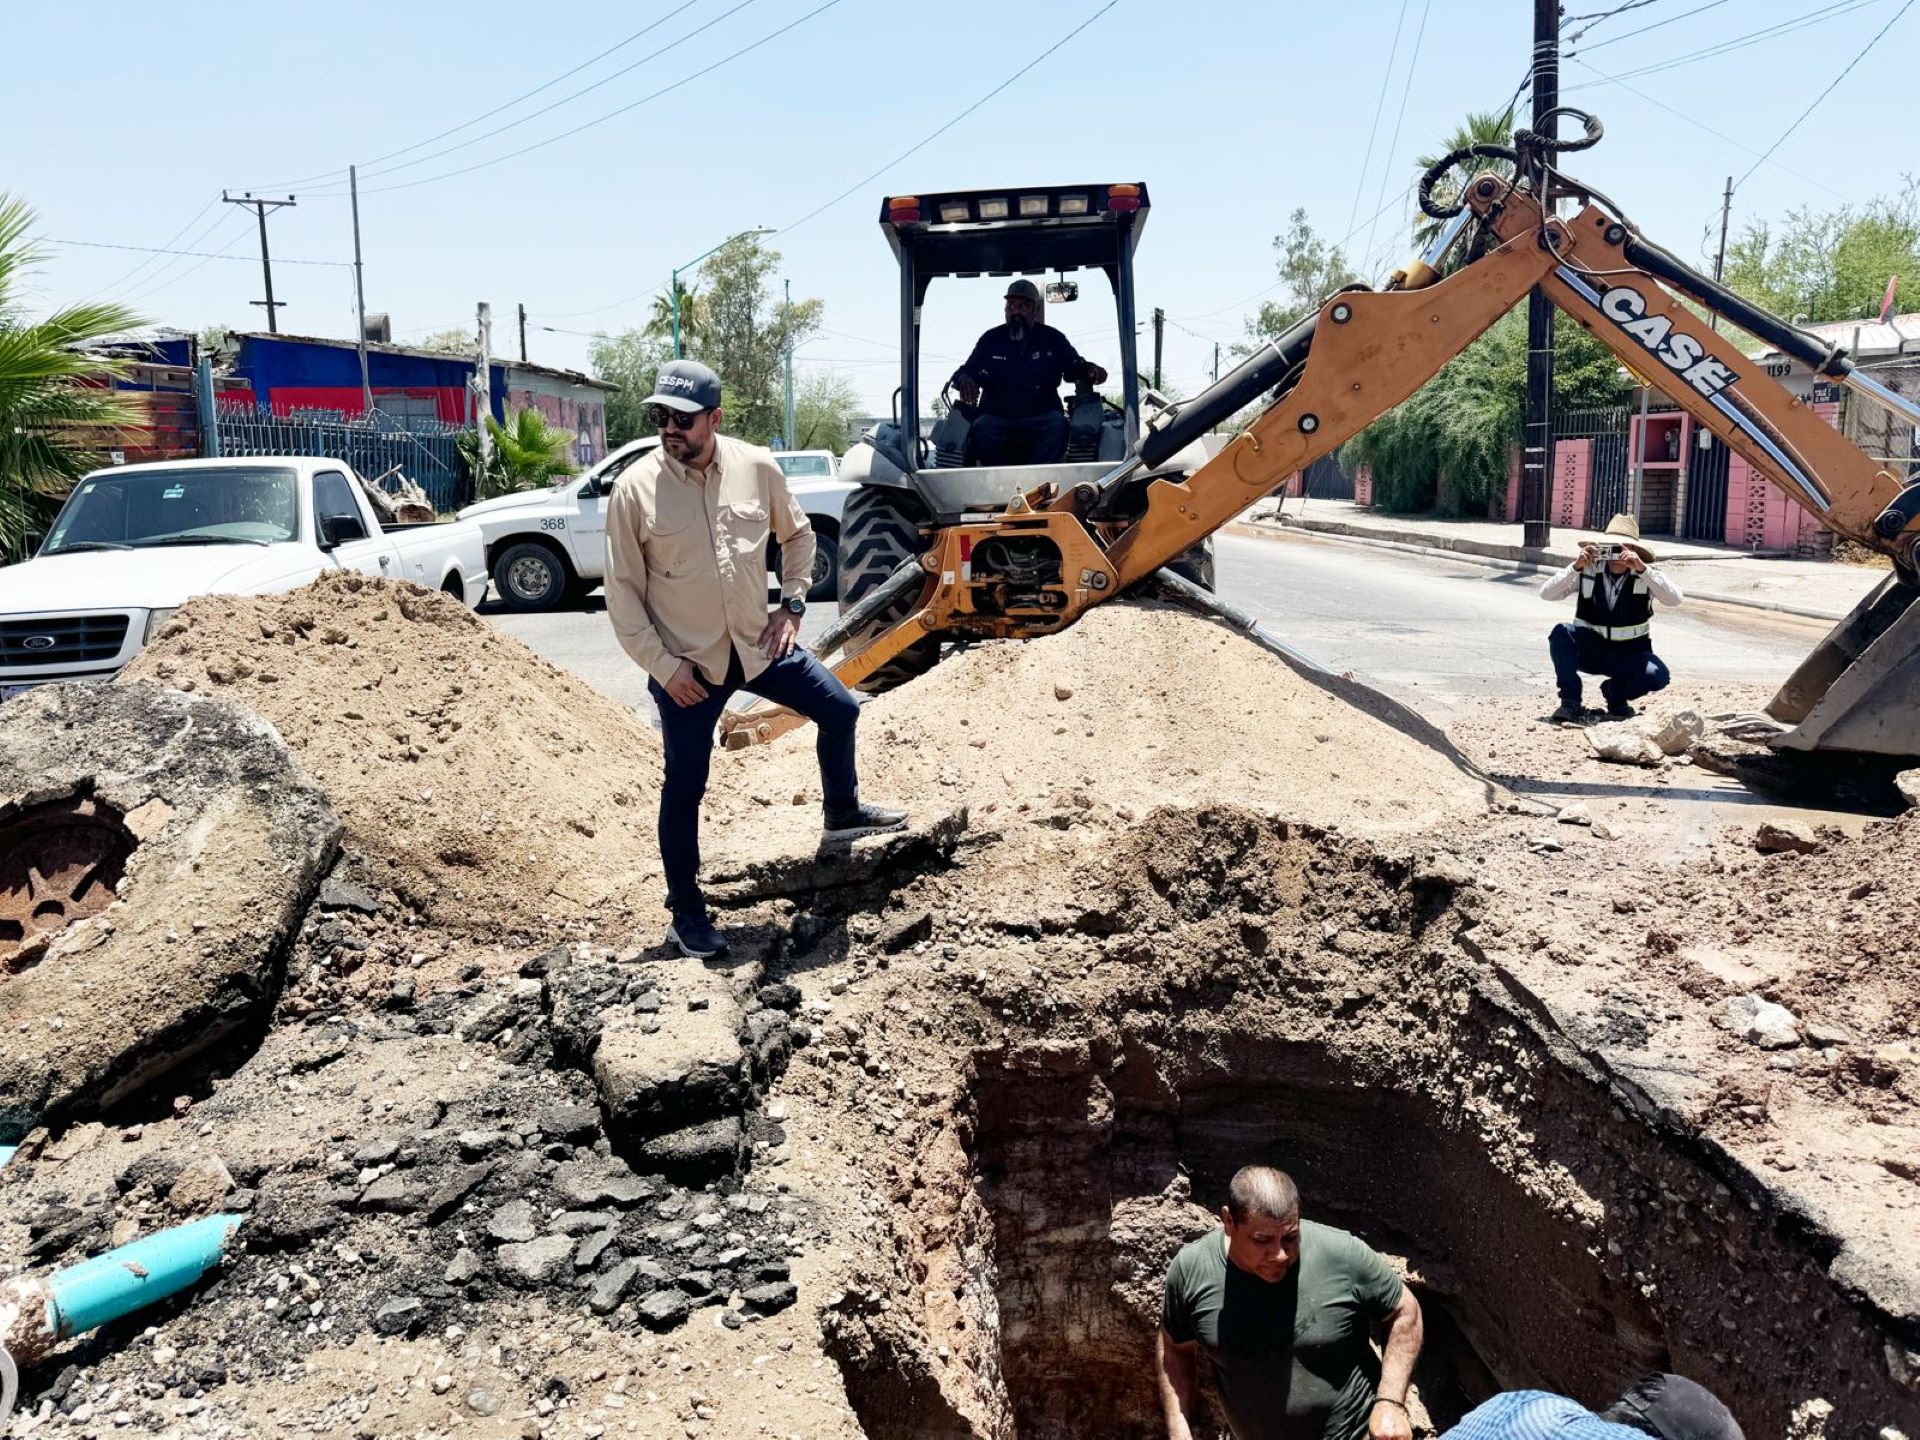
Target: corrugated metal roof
{"type": "Point", "coordinates": [1865, 339]}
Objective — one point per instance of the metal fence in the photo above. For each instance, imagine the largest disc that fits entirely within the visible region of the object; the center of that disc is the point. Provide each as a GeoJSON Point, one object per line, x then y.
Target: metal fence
{"type": "Point", "coordinates": [372, 444]}
{"type": "Point", "coordinates": [1608, 473]}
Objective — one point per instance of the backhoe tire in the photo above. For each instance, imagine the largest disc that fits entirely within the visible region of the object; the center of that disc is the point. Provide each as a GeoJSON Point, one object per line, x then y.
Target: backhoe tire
{"type": "Point", "coordinates": [879, 528]}
{"type": "Point", "coordinates": [1195, 563]}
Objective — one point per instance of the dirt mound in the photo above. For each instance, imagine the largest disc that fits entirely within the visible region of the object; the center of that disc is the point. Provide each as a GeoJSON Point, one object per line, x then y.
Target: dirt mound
{"type": "Point", "coordinates": [1137, 706]}
{"type": "Point", "coordinates": [487, 787]}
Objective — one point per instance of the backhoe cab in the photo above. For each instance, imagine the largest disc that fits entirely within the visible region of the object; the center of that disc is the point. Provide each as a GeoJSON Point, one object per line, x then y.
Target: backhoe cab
{"type": "Point", "coordinates": [911, 481]}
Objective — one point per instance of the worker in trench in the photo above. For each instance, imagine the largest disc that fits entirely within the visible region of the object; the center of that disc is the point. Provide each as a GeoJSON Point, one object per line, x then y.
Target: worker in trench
{"type": "Point", "coordinates": [687, 531]}
{"type": "Point", "coordinates": [1020, 366]}
{"type": "Point", "coordinates": [1284, 1310]}
{"type": "Point", "coordinates": [1671, 1407]}
{"type": "Point", "coordinates": [1610, 634]}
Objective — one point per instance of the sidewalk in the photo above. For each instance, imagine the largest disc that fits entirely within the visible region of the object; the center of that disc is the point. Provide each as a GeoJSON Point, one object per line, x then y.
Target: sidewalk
{"type": "Point", "coordinates": [1816, 589]}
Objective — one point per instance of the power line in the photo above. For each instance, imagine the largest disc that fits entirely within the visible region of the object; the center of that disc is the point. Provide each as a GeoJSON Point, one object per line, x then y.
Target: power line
{"type": "Point", "coordinates": [1379, 105]}
{"type": "Point", "coordinates": [698, 30]}
{"type": "Point", "coordinates": [936, 134]}
{"type": "Point", "coordinates": [1826, 92]}
{"type": "Point", "coordinates": [202, 254]}
{"type": "Point", "coordinates": [335, 174]}
{"type": "Point", "coordinates": [1629, 34]}
{"type": "Point", "coordinates": [1600, 16]}
{"type": "Point", "coordinates": [115, 284]}
{"type": "Point", "coordinates": [1754, 37]}
{"type": "Point", "coordinates": [1702, 125]}
{"type": "Point", "coordinates": [611, 114]}
{"type": "Point", "coordinates": [1413, 66]}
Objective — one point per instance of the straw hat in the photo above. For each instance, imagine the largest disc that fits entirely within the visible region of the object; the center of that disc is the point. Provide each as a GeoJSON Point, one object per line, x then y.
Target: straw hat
{"type": "Point", "coordinates": [1625, 527]}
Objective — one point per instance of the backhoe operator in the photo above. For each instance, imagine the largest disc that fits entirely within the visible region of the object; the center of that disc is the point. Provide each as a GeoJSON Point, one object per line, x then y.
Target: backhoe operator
{"type": "Point", "coordinates": [1020, 365]}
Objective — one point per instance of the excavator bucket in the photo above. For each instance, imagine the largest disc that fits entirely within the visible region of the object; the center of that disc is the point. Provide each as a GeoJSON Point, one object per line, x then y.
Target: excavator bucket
{"type": "Point", "coordinates": [1859, 691]}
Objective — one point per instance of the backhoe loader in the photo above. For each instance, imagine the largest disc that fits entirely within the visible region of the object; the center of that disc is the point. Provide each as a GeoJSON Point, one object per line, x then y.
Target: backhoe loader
{"type": "Point", "coordinates": [1037, 564]}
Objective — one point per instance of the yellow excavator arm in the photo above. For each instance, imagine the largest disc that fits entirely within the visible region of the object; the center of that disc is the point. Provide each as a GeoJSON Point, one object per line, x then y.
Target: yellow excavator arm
{"type": "Point", "coordinates": [1035, 567]}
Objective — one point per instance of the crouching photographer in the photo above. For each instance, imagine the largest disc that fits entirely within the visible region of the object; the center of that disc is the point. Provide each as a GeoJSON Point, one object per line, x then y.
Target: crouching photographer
{"type": "Point", "coordinates": [1610, 634]}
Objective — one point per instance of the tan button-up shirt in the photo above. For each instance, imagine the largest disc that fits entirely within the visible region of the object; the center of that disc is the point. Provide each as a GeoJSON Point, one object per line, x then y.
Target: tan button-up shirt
{"type": "Point", "coordinates": [687, 558]}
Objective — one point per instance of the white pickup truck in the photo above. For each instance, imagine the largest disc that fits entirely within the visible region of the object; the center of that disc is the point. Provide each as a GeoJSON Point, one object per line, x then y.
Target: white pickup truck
{"type": "Point", "coordinates": [548, 546]}
{"type": "Point", "coordinates": [135, 542]}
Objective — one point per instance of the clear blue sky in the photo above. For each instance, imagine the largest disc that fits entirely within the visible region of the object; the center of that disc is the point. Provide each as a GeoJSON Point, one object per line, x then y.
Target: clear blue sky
{"type": "Point", "coordinates": [1233, 112]}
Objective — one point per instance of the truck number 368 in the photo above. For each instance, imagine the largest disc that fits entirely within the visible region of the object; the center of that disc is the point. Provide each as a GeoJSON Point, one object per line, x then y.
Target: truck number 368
{"type": "Point", "coordinates": [554, 523]}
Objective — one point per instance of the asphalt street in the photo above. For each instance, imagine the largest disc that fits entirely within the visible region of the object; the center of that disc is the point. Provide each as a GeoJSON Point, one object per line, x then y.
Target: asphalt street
{"type": "Point", "coordinates": [1427, 631]}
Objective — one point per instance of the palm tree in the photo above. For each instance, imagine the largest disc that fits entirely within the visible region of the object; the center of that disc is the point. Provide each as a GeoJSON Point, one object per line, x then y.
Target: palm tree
{"type": "Point", "coordinates": [695, 316]}
{"type": "Point", "coordinates": [51, 393]}
{"type": "Point", "coordinates": [528, 452]}
{"type": "Point", "coordinates": [1489, 127]}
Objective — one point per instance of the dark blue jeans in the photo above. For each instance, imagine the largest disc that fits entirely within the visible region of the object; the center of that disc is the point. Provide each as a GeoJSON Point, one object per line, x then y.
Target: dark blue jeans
{"type": "Point", "coordinates": [1020, 440]}
{"type": "Point", "coordinates": [802, 684]}
{"type": "Point", "coordinates": [1630, 667]}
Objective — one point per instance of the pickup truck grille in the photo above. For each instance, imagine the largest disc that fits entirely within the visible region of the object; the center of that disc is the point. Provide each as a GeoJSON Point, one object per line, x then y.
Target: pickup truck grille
{"type": "Point", "coordinates": [61, 640]}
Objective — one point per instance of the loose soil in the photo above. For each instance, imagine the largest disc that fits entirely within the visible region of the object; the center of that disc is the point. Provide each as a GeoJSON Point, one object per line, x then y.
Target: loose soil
{"type": "Point", "coordinates": [984, 1089]}
{"type": "Point", "coordinates": [483, 784]}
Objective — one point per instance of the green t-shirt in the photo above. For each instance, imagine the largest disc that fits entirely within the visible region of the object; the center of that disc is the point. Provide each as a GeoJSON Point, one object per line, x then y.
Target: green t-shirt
{"type": "Point", "coordinates": [1293, 1360]}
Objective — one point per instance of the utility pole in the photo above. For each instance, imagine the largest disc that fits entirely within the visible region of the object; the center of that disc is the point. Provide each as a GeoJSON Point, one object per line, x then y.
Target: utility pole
{"type": "Point", "coordinates": [1536, 457]}
{"type": "Point", "coordinates": [359, 294]}
{"type": "Point", "coordinates": [483, 385]}
{"type": "Point", "coordinates": [523, 334]}
{"type": "Point", "coordinates": [1216, 362]}
{"type": "Point", "coordinates": [1159, 332]}
{"type": "Point", "coordinates": [260, 209]}
{"type": "Point", "coordinates": [790, 427]}
{"type": "Point", "coordinates": [1720, 255]}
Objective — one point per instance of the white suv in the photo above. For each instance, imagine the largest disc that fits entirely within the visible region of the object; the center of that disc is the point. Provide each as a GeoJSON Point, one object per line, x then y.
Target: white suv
{"type": "Point", "coordinates": [548, 546]}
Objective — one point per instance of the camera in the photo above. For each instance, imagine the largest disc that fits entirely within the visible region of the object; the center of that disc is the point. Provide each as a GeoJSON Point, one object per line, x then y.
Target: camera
{"type": "Point", "coordinates": [1605, 553]}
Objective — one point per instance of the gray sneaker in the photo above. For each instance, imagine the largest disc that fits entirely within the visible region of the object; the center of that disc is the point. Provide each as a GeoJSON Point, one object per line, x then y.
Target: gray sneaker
{"type": "Point", "coordinates": [864, 820]}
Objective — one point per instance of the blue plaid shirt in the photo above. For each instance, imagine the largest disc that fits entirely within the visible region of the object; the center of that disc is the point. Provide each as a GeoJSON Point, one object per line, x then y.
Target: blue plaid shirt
{"type": "Point", "coordinates": [1536, 1415]}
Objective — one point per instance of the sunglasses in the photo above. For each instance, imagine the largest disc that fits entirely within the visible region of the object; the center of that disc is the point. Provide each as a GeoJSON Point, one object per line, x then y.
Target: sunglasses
{"type": "Point", "coordinates": [662, 417]}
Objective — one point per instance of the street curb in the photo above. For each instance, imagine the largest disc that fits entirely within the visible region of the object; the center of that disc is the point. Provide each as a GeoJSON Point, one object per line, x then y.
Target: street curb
{"type": "Point", "coordinates": [1544, 562]}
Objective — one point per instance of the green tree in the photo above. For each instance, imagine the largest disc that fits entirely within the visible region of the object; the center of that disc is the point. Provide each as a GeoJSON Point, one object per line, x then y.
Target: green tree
{"type": "Point", "coordinates": [51, 394]}
{"type": "Point", "coordinates": [825, 405]}
{"type": "Point", "coordinates": [1481, 127]}
{"type": "Point", "coordinates": [747, 334]}
{"type": "Point", "coordinates": [1310, 270]}
{"type": "Point", "coordinates": [450, 342]}
{"type": "Point", "coordinates": [630, 360]}
{"type": "Point", "coordinates": [1830, 265]}
{"type": "Point", "coordinates": [528, 453]}
{"type": "Point", "coordinates": [1447, 446]}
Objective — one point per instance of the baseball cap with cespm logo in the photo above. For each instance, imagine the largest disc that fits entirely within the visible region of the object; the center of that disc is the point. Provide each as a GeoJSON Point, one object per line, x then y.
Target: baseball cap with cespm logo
{"type": "Point", "coordinates": [685, 385]}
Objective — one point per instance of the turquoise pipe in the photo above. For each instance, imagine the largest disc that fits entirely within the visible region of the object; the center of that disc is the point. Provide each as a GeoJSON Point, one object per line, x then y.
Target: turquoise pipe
{"type": "Point", "coordinates": [94, 1292]}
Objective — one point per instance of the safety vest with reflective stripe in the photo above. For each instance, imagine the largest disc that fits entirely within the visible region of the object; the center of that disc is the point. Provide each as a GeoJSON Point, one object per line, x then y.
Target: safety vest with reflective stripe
{"type": "Point", "coordinates": [1629, 618]}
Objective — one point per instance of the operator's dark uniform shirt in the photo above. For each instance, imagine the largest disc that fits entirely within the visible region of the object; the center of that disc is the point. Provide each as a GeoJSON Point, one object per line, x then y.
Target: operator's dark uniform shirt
{"type": "Point", "coordinates": [1018, 380]}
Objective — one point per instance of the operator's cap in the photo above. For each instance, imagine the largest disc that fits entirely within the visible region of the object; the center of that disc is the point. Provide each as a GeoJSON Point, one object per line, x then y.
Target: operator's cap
{"type": "Point", "coordinates": [1023, 290]}
{"type": "Point", "coordinates": [1674, 1408]}
{"type": "Point", "coordinates": [685, 385]}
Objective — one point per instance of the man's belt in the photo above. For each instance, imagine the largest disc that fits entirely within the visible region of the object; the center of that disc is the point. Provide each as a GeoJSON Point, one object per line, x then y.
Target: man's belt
{"type": "Point", "coordinates": [1618, 632]}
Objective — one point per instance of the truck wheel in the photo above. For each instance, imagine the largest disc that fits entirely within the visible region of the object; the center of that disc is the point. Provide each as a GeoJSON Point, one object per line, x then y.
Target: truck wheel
{"type": "Point", "coordinates": [826, 566]}
{"type": "Point", "coordinates": [530, 577]}
{"type": "Point", "coordinates": [878, 529]}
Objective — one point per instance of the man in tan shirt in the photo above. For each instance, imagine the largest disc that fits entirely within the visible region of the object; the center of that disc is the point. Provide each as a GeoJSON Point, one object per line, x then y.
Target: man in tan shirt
{"type": "Point", "coordinates": [687, 532]}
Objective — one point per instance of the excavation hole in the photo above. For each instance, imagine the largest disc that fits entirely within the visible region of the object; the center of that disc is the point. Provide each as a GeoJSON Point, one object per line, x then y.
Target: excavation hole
{"type": "Point", "coordinates": [59, 862]}
{"type": "Point", "coordinates": [1555, 1239]}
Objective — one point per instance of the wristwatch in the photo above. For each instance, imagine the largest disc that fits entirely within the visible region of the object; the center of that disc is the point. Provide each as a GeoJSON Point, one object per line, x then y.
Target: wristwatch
{"type": "Point", "coordinates": [794, 606]}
